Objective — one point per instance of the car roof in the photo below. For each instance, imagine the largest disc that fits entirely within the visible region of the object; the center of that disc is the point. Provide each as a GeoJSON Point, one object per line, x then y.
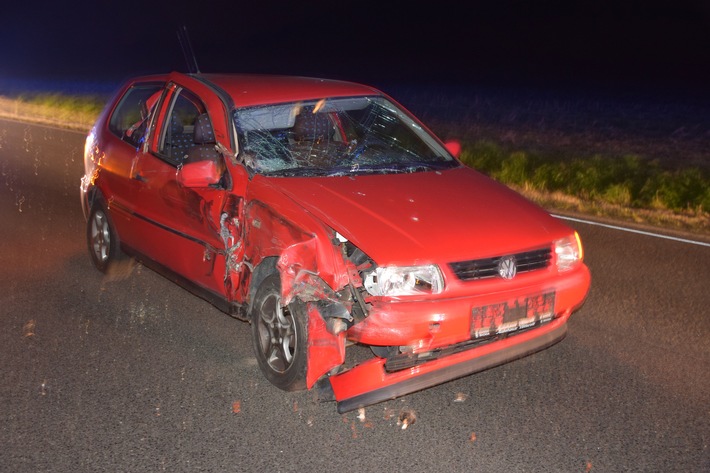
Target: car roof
{"type": "Point", "coordinates": [257, 89]}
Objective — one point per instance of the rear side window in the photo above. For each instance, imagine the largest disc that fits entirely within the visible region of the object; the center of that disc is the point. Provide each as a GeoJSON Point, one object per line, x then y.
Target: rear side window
{"type": "Point", "coordinates": [130, 118]}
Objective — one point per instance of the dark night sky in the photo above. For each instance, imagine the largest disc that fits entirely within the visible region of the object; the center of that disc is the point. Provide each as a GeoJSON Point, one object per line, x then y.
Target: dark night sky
{"type": "Point", "coordinates": [541, 43]}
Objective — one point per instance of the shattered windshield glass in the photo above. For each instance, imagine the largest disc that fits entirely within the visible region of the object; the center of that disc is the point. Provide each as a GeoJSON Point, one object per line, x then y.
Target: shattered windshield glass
{"type": "Point", "coordinates": [335, 137]}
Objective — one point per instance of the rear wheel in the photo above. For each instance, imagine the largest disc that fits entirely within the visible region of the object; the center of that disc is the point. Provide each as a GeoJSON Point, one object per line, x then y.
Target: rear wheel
{"type": "Point", "coordinates": [102, 239]}
{"type": "Point", "coordinates": [280, 335]}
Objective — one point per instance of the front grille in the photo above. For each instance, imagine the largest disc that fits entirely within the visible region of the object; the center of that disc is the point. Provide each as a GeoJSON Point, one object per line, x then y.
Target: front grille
{"type": "Point", "coordinates": [488, 267]}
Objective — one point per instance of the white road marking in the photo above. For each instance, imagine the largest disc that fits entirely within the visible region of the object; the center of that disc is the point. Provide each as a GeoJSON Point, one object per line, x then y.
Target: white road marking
{"type": "Point", "coordinates": [631, 230]}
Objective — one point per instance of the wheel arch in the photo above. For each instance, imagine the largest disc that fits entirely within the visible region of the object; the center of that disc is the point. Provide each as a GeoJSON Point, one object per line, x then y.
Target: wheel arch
{"type": "Point", "coordinates": [93, 195]}
{"type": "Point", "coordinates": [266, 267]}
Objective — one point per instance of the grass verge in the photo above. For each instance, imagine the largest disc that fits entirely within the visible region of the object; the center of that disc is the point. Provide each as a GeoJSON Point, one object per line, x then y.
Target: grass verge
{"type": "Point", "coordinates": [620, 187]}
{"type": "Point", "coordinates": [71, 111]}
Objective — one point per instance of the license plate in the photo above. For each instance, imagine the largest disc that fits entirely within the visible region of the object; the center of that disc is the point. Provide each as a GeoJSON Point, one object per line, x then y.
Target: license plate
{"type": "Point", "coordinates": [504, 317]}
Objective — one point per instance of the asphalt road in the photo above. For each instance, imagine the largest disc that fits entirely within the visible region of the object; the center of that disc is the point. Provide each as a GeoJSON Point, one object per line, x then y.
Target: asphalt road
{"type": "Point", "coordinates": [135, 374]}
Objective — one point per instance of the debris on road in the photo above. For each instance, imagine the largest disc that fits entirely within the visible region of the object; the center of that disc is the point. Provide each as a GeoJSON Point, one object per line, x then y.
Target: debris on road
{"type": "Point", "coordinates": [361, 414]}
{"type": "Point", "coordinates": [406, 418]}
{"type": "Point", "coordinates": [28, 330]}
{"type": "Point", "coordinates": [460, 397]}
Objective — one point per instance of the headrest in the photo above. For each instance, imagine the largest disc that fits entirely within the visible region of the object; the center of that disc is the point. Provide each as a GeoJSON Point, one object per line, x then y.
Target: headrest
{"type": "Point", "coordinates": [203, 130]}
{"type": "Point", "coordinates": [312, 126]}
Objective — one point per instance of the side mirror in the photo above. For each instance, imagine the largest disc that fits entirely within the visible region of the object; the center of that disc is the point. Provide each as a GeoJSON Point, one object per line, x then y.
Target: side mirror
{"type": "Point", "coordinates": [453, 147]}
{"type": "Point", "coordinates": [199, 174]}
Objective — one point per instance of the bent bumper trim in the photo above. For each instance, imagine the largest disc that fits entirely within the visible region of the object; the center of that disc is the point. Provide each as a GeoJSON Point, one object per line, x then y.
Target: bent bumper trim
{"type": "Point", "coordinates": [346, 385]}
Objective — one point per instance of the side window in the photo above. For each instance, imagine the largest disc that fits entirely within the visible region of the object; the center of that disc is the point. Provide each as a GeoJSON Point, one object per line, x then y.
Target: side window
{"type": "Point", "coordinates": [130, 118]}
{"type": "Point", "coordinates": [186, 127]}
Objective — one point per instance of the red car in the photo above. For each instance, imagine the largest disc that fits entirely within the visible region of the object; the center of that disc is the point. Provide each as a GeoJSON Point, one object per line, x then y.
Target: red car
{"type": "Point", "coordinates": [331, 219]}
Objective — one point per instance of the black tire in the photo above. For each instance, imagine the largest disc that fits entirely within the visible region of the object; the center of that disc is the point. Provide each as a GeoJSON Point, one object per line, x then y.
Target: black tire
{"type": "Point", "coordinates": [280, 336]}
{"type": "Point", "coordinates": [102, 239]}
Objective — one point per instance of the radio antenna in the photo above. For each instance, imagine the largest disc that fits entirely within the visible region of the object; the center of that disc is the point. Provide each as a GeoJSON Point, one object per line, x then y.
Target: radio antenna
{"type": "Point", "coordinates": [190, 58]}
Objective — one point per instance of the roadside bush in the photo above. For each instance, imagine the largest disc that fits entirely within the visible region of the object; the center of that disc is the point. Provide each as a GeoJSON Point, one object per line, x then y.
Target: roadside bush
{"type": "Point", "coordinates": [686, 189]}
{"type": "Point", "coordinates": [549, 176]}
{"type": "Point", "coordinates": [484, 156]}
{"type": "Point", "coordinates": [627, 181]}
{"type": "Point", "coordinates": [515, 169]}
{"type": "Point", "coordinates": [618, 194]}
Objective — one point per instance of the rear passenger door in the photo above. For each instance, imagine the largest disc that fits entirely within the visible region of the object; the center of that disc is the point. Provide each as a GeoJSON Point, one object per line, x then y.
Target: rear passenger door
{"type": "Point", "coordinates": [122, 146]}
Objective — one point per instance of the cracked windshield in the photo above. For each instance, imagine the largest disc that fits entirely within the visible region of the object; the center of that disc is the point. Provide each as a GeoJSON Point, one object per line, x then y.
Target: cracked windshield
{"type": "Point", "coordinates": [336, 137]}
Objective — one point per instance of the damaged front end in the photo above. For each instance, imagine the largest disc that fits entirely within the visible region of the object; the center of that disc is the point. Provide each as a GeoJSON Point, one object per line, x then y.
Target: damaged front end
{"type": "Point", "coordinates": [350, 203]}
{"type": "Point", "coordinates": [329, 312]}
{"type": "Point", "coordinates": [417, 337]}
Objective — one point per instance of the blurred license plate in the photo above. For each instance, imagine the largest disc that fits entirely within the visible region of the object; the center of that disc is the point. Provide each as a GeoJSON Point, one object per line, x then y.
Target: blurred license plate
{"type": "Point", "coordinates": [510, 316]}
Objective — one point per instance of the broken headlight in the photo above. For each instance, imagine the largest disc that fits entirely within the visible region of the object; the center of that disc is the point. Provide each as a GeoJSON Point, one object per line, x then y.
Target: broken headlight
{"type": "Point", "coordinates": [404, 280]}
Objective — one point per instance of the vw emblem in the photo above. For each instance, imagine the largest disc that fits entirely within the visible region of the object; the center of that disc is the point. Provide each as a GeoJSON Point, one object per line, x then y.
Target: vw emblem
{"type": "Point", "coordinates": [507, 267]}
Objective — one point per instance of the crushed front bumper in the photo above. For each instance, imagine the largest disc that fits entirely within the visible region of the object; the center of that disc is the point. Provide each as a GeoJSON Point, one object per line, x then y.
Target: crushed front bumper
{"type": "Point", "coordinates": [370, 383]}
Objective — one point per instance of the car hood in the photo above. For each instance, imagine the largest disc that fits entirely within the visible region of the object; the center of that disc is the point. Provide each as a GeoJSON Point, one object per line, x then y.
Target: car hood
{"type": "Point", "coordinates": [450, 215]}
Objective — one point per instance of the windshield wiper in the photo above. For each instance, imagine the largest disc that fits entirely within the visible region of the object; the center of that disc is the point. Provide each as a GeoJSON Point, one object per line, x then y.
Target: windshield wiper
{"type": "Point", "coordinates": [429, 165]}
{"type": "Point", "coordinates": [358, 169]}
{"type": "Point", "coordinates": [400, 168]}
{"type": "Point", "coordinates": [299, 171]}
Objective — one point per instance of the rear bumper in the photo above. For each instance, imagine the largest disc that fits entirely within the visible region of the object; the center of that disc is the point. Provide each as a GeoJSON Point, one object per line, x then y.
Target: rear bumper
{"type": "Point", "coordinates": [370, 383]}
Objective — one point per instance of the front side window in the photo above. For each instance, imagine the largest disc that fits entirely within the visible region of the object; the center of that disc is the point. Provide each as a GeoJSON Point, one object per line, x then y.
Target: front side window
{"type": "Point", "coordinates": [178, 134]}
{"type": "Point", "coordinates": [336, 136]}
{"type": "Point", "coordinates": [129, 120]}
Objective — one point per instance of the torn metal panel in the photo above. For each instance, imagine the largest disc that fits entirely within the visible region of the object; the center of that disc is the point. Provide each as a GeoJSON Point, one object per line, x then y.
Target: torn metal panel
{"type": "Point", "coordinates": [230, 231]}
{"type": "Point", "coordinates": [297, 265]}
{"type": "Point", "coordinates": [300, 276]}
{"type": "Point", "coordinates": [278, 230]}
{"type": "Point", "coordinates": [326, 344]}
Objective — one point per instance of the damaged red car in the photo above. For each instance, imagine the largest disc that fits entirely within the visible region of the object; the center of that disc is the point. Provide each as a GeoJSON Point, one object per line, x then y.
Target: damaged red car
{"type": "Point", "coordinates": [334, 222]}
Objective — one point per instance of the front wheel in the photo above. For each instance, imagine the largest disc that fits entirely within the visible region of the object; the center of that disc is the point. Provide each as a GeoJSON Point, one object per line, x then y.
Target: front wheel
{"type": "Point", "coordinates": [102, 239]}
{"type": "Point", "coordinates": [280, 335]}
